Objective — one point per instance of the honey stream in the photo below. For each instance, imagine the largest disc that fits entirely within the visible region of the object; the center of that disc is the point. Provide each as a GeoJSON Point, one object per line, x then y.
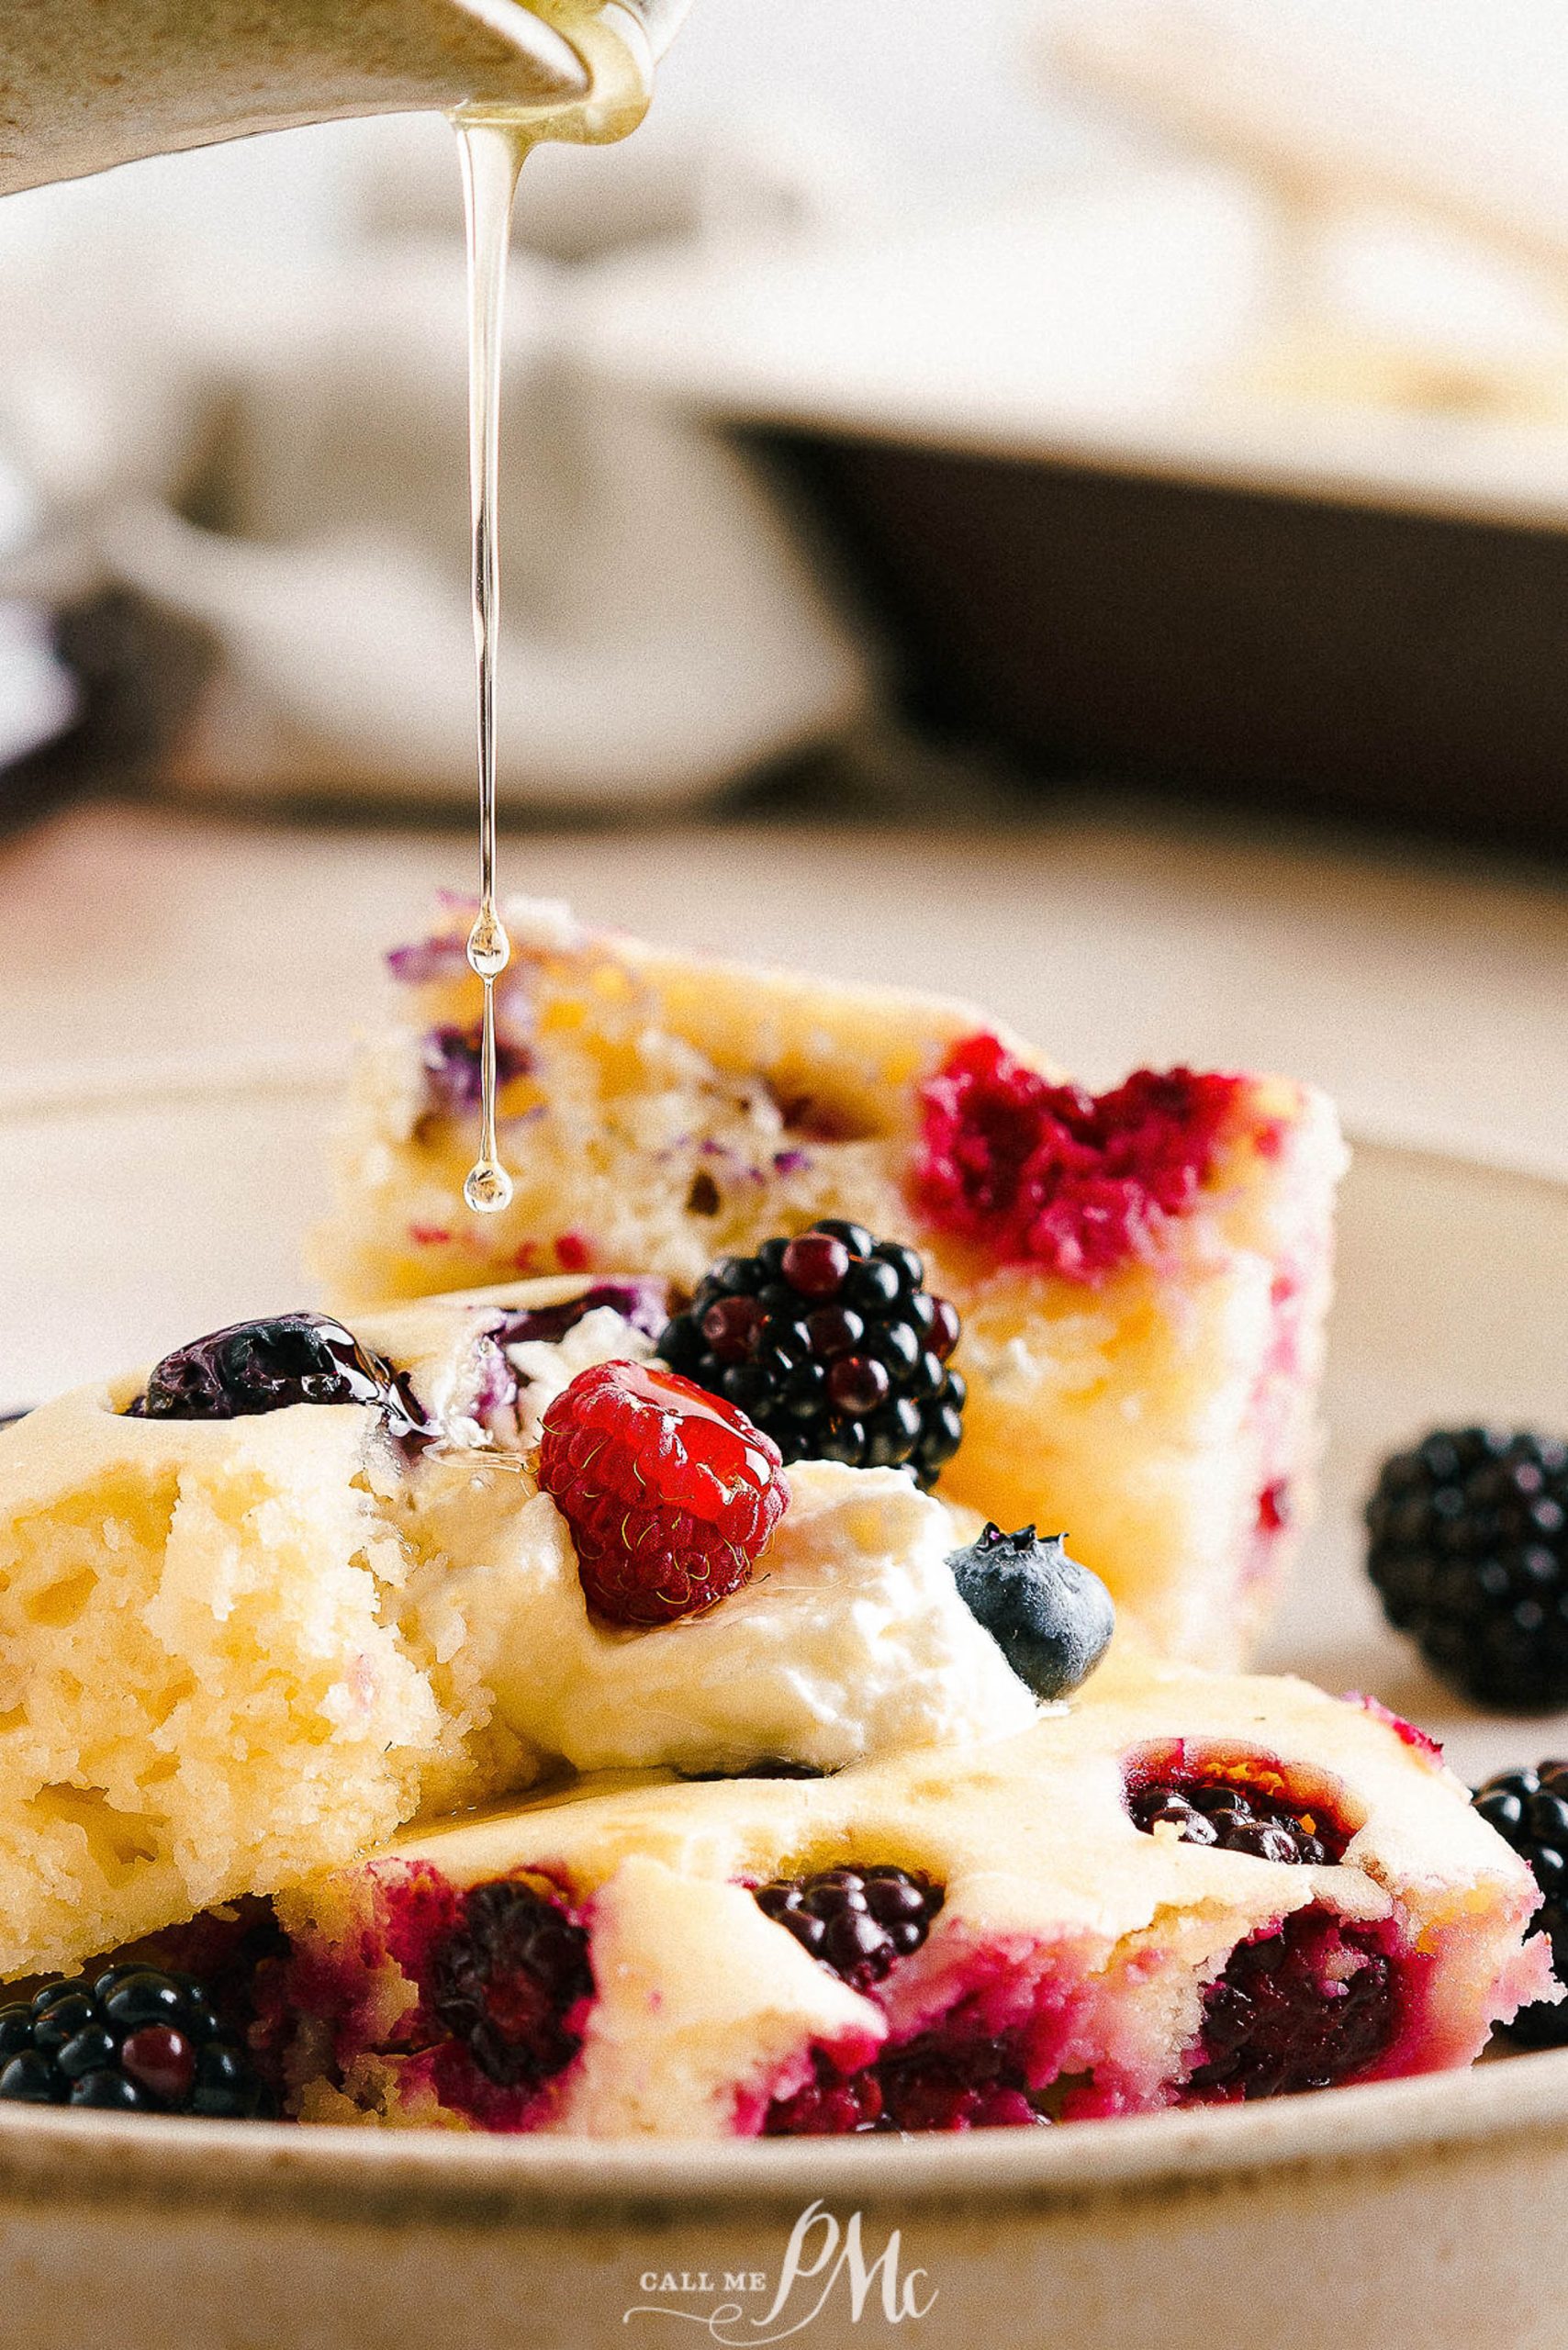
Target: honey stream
{"type": "Point", "coordinates": [495, 145]}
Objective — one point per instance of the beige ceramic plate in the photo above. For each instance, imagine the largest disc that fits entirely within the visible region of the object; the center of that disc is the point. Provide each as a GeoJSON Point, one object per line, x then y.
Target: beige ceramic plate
{"type": "Point", "coordinates": [1413, 2212]}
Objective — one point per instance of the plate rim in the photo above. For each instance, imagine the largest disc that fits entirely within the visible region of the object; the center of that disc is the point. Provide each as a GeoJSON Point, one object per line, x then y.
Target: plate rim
{"type": "Point", "coordinates": [353, 2174]}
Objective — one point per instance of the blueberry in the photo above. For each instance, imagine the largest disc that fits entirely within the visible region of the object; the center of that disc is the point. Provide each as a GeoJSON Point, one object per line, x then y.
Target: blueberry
{"type": "Point", "coordinates": [1051, 1618]}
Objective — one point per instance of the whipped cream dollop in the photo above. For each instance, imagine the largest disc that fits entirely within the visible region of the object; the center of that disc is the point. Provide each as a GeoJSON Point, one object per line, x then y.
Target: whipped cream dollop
{"type": "Point", "coordinates": [849, 1641]}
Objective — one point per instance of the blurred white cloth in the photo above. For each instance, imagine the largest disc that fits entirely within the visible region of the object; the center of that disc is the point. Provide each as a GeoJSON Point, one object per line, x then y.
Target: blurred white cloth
{"type": "Point", "coordinates": [303, 392]}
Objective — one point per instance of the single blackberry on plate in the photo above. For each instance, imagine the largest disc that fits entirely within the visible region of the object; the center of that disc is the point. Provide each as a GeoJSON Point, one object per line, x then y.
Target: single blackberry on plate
{"type": "Point", "coordinates": [1529, 1811]}
{"type": "Point", "coordinates": [1469, 1552]}
{"type": "Point", "coordinates": [833, 1345]}
{"type": "Point", "coordinates": [130, 2041]}
{"type": "Point", "coordinates": [267, 1365]}
{"type": "Point", "coordinates": [854, 1921]}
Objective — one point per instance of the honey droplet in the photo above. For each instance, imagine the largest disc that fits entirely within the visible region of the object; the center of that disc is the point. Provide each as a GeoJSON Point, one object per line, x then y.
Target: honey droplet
{"type": "Point", "coordinates": [489, 948]}
{"type": "Point", "coordinates": [488, 1188]}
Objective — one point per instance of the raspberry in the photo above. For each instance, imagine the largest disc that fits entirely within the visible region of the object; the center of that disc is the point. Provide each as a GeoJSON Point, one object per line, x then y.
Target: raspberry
{"type": "Point", "coordinates": [1050, 1175]}
{"type": "Point", "coordinates": [1469, 1552]}
{"type": "Point", "coordinates": [669, 1494]}
{"type": "Point", "coordinates": [833, 1345]}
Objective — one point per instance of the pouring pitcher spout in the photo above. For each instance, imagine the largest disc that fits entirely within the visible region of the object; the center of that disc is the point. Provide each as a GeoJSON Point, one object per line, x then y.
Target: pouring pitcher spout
{"type": "Point", "coordinates": [88, 83]}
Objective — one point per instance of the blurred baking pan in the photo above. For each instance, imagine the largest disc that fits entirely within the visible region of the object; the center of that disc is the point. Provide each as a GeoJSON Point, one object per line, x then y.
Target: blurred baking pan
{"type": "Point", "coordinates": [1282, 647]}
{"type": "Point", "coordinates": [1121, 508]}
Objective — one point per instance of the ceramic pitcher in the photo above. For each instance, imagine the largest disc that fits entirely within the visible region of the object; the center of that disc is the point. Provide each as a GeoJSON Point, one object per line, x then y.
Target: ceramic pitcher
{"type": "Point", "coordinates": [85, 83]}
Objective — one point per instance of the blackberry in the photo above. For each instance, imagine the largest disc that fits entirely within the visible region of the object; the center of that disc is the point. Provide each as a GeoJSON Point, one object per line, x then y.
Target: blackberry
{"type": "Point", "coordinates": [1529, 1811]}
{"type": "Point", "coordinates": [833, 1346]}
{"type": "Point", "coordinates": [255, 1367]}
{"type": "Point", "coordinates": [855, 1922]}
{"type": "Point", "coordinates": [831, 2105]}
{"type": "Point", "coordinates": [133, 2040]}
{"type": "Point", "coordinates": [1050, 1617]}
{"type": "Point", "coordinates": [1237, 1820]}
{"type": "Point", "coordinates": [1310, 2003]}
{"type": "Point", "coordinates": [506, 1982]}
{"type": "Point", "coordinates": [932, 2082]}
{"type": "Point", "coordinates": [1469, 1552]}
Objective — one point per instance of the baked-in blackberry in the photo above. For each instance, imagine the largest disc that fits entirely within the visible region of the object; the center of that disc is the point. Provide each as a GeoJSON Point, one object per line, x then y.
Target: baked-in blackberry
{"type": "Point", "coordinates": [512, 1982]}
{"type": "Point", "coordinates": [1469, 1552]}
{"type": "Point", "coordinates": [931, 2083]}
{"type": "Point", "coordinates": [267, 1366]}
{"type": "Point", "coordinates": [1237, 1820]}
{"type": "Point", "coordinates": [1529, 1811]}
{"type": "Point", "coordinates": [831, 1344]}
{"type": "Point", "coordinates": [133, 2041]}
{"type": "Point", "coordinates": [1302, 2005]}
{"type": "Point", "coordinates": [854, 1921]}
